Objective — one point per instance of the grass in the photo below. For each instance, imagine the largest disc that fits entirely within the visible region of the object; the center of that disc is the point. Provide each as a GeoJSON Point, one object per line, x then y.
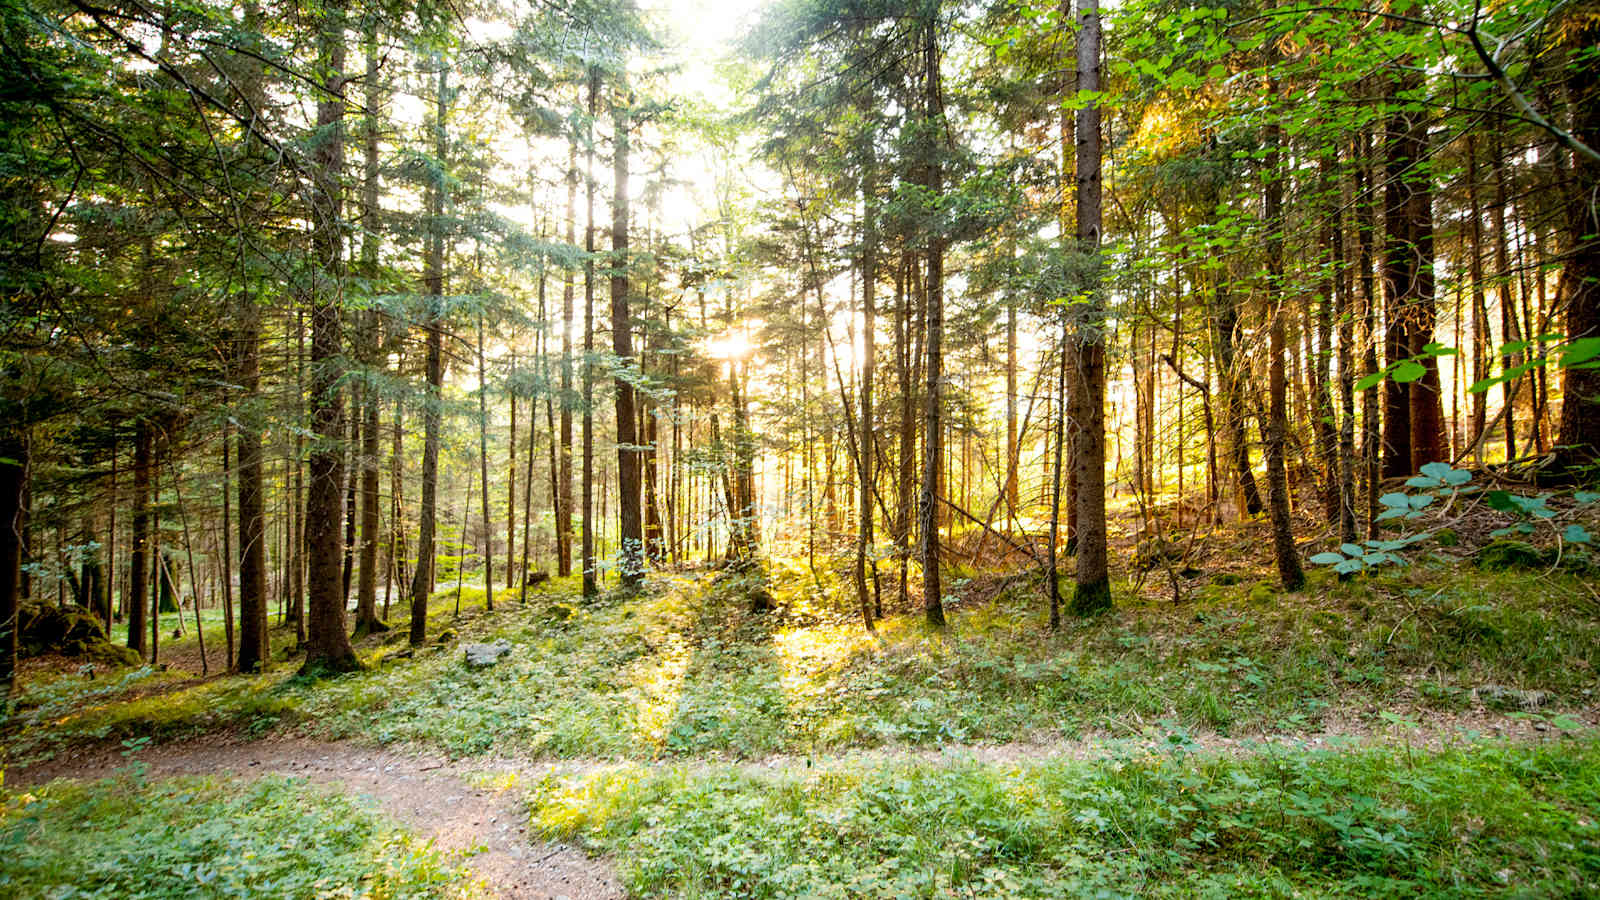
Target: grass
{"type": "Point", "coordinates": [1489, 820]}
{"type": "Point", "coordinates": [685, 669]}
{"type": "Point", "coordinates": [183, 837]}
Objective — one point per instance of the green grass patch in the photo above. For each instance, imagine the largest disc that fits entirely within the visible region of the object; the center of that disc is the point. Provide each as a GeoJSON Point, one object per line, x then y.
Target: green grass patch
{"type": "Point", "coordinates": [202, 837]}
{"type": "Point", "coordinates": [1490, 820]}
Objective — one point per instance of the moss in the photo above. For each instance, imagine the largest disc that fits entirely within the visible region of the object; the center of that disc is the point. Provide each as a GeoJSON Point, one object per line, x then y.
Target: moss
{"type": "Point", "coordinates": [1504, 554]}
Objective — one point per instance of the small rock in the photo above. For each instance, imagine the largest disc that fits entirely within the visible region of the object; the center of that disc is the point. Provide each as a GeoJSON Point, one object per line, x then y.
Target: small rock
{"type": "Point", "coordinates": [479, 656]}
{"type": "Point", "coordinates": [1495, 696]}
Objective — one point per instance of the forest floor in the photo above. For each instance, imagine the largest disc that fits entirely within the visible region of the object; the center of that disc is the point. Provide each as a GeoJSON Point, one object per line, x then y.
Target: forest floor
{"type": "Point", "coordinates": [1427, 728]}
{"type": "Point", "coordinates": [473, 809]}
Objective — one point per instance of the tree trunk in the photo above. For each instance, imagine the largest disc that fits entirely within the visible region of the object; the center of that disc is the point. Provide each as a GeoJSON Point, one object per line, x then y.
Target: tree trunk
{"type": "Point", "coordinates": [1578, 444]}
{"type": "Point", "coordinates": [1277, 425]}
{"type": "Point", "coordinates": [933, 408]}
{"type": "Point", "coordinates": [13, 482]}
{"type": "Point", "coordinates": [630, 555]}
{"type": "Point", "coordinates": [138, 556]}
{"type": "Point", "coordinates": [869, 360]}
{"type": "Point", "coordinates": [483, 476]}
{"type": "Point", "coordinates": [591, 586]}
{"type": "Point", "coordinates": [327, 644]}
{"type": "Point", "coordinates": [433, 365]}
{"type": "Point", "coordinates": [1413, 424]}
{"type": "Point", "coordinates": [563, 499]}
{"type": "Point", "coordinates": [227, 551]}
{"type": "Point", "coordinates": [1087, 385]}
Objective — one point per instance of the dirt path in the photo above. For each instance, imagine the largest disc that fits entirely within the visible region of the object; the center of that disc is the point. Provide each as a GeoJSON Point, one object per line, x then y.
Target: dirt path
{"type": "Point", "coordinates": [428, 794]}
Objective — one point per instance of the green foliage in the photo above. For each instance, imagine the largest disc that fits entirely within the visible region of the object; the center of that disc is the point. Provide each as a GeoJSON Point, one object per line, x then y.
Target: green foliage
{"type": "Point", "coordinates": [1154, 820]}
{"type": "Point", "coordinates": [1437, 482]}
{"type": "Point", "coordinates": [1530, 510]}
{"type": "Point", "coordinates": [187, 837]}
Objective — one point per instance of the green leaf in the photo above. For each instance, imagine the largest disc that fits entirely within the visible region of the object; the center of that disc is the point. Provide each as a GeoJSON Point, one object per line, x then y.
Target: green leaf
{"type": "Point", "coordinates": [1397, 500]}
{"type": "Point", "coordinates": [1501, 500]}
{"type": "Point", "coordinates": [1576, 534]}
{"type": "Point", "coordinates": [1408, 370]}
{"type": "Point", "coordinates": [1370, 380]}
{"type": "Point", "coordinates": [1327, 559]}
{"type": "Point", "coordinates": [1350, 549]}
{"type": "Point", "coordinates": [1439, 470]}
{"type": "Point", "coordinates": [1580, 350]}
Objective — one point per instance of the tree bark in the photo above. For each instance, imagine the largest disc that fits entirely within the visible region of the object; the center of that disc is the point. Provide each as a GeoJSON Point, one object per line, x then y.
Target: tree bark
{"type": "Point", "coordinates": [433, 365]}
{"type": "Point", "coordinates": [932, 455]}
{"type": "Point", "coordinates": [1578, 443]}
{"type": "Point", "coordinates": [1086, 389]}
{"type": "Point", "coordinates": [591, 585]}
{"type": "Point", "coordinates": [327, 645]}
{"type": "Point", "coordinates": [1290, 573]}
{"type": "Point", "coordinates": [869, 360]}
{"type": "Point", "coordinates": [13, 483]}
{"type": "Point", "coordinates": [630, 554]}
{"type": "Point", "coordinates": [563, 500]}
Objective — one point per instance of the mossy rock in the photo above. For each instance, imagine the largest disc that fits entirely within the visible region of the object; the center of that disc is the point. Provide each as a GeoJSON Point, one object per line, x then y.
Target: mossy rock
{"type": "Point", "coordinates": [70, 631]}
{"type": "Point", "coordinates": [1226, 579]}
{"type": "Point", "coordinates": [446, 636]}
{"type": "Point", "coordinates": [1261, 593]}
{"type": "Point", "coordinates": [1500, 555]}
{"type": "Point", "coordinates": [1447, 537]}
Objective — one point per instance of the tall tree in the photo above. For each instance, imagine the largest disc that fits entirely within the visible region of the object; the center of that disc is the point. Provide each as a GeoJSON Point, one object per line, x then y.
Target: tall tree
{"type": "Point", "coordinates": [327, 645]}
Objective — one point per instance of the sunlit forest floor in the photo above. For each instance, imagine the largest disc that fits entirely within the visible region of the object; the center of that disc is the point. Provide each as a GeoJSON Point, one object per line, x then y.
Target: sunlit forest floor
{"type": "Point", "coordinates": [1430, 728]}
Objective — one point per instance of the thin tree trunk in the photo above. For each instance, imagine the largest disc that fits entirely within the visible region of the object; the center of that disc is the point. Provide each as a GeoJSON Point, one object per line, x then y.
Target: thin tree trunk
{"type": "Point", "coordinates": [630, 555]}
{"type": "Point", "coordinates": [138, 556]}
{"type": "Point", "coordinates": [13, 484]}
{"type": "Point", "coordinates": [433, 364]}
{"type": "Point", "coordinates": [227, 551]}
{"type": "Point", "coordinates": [483, 474]}
{"type": "Point", "coordinates": [563, 498]}
{"type": "Point", "coordinates": [930, 497]}
{"type": "Point", "coordinates": [869, 361]}
{"type": "Point", "coordinates": [1277, 425]}
{"type": "Point", "coordinates": [591, 585]}
{"type": "Point", "coordinates": [1087, 387]}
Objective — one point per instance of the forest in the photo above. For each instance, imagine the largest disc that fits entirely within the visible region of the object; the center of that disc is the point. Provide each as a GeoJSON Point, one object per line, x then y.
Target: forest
{"type": "Point", "coordinates": [799, 448]}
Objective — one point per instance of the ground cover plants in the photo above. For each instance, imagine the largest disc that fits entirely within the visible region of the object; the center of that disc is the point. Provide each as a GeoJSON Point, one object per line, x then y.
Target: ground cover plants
{"type": "Point", "coordinates": [1486, 820]}
{"type": "Point", "coordinates": [127, 837]}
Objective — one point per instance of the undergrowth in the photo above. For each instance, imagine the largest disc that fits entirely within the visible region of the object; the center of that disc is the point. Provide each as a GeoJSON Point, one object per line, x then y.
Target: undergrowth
{"type": "Point", "coordinates": [685, 668]}
{"type": "Point", "coordinates": [1491, 820]}
{"type": "Point", "coordinates": [202, 837]}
